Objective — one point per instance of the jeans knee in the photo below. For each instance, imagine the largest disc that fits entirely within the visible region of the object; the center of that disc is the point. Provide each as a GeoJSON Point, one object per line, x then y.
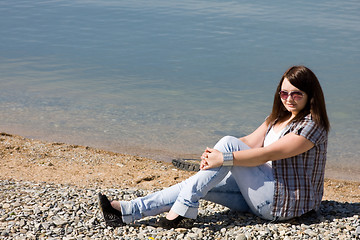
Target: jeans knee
{"type": "Point", "coordinates": [225, 144]}
{"type": "Point", "coordinates": [227, 139]}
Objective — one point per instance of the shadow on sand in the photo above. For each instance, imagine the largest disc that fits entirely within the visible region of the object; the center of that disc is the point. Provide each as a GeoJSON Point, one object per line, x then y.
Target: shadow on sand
{"type": "Point", "coordinates": [329, 210]}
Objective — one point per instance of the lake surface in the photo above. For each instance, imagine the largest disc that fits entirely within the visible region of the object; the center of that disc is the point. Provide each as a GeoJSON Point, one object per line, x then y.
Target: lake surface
{"type": "Point", "coordinates": [167, 78]}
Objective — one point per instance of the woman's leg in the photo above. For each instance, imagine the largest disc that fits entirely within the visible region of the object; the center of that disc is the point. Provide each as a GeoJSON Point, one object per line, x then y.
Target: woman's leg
{"type": "Point", "coordinates": [187, 202]}
{"type": "Point", "coordinates": [256, 185]}
{"type": "Point", "coordinates": [182, 198]}
{"type": "Point", "coordinates": [150, 205]}
{"type": "Point", "coordinates": [227, 193]}
{"type": "Point", "coordinates": [245, 188]}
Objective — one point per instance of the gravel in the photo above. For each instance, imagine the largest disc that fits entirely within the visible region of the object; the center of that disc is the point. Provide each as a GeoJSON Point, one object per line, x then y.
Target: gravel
{"type": "Point", "coordinates": [53, 211]}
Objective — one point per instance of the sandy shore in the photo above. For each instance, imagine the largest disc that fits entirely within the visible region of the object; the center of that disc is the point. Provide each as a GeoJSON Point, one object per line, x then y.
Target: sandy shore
{"type": "Point", "coordinates": [38, 161]}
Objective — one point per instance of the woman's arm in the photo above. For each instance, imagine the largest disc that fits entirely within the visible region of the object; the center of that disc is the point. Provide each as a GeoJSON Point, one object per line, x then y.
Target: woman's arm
{"type": "Point", "coordinates": [253, 140]}
{"type": "Point", "coordinates": [287, 146]}
{"type": "Point", "coordinates": [256, 139]}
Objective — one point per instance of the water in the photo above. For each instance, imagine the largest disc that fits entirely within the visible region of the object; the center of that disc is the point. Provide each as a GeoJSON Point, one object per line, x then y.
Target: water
{"type": "Point", "coordinates": [167, 78]}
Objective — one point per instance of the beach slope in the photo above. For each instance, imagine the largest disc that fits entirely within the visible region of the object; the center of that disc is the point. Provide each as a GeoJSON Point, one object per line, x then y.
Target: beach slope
{"type": "Point", "coordinates": [49, 191]}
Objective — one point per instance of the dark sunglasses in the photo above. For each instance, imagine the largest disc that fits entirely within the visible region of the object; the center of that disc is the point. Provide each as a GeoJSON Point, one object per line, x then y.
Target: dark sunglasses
{"type": "Point", "coordinates": [295, 95]}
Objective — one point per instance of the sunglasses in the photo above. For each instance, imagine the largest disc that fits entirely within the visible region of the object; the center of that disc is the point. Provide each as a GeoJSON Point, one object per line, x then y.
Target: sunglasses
{"type": "Point", "coordinates": [295, 95]}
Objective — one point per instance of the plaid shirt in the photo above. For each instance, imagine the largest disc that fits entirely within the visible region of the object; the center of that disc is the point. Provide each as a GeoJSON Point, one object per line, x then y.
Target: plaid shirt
{"type": "Point", "coordinates": [299, 180]}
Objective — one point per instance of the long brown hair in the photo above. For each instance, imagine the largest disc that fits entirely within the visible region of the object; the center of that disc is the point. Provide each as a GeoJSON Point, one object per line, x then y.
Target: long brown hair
{"type": "Point", "coordinates": [304, 79]}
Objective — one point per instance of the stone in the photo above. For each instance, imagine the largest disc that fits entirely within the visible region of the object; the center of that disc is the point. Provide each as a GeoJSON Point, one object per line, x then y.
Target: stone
{"type": "Point", "coordinates": [192, 235]}
{"type": "Point", "coordinates": [180, 230]}
{"type": "Point", "coordinates": [6, 206]}
{"type": "Point", "coordinates": [22, 223]}
{"type": "Point", "coordinates": [241, 237]}
{"type": "Point", "coordinates": [60, 222]}
{"type": "Point", "coordinates": [310, 232]}
{"type": "Point", "coordinates": [357, 231]}
{"type": "Point", "coordinates": [45, 225]}
{"type": "Point", "coordinates": [55, 211]}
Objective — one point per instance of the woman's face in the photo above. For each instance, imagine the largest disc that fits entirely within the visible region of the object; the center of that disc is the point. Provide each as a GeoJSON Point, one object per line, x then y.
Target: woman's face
{"type": "Point", "coordinates": [293, 106]}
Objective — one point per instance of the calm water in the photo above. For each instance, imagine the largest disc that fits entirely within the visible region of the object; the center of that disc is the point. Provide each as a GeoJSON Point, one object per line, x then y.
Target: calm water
{"type": "Point", "coordinates": [167, 78]}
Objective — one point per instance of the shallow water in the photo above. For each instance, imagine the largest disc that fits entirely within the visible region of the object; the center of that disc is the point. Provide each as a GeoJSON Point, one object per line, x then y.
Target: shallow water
{"type": "Point", "coordinates": [168, 78]}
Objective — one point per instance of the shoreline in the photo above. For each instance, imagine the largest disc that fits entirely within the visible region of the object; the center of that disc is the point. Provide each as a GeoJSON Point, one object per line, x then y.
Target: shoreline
{"type": "Point", "coordinates": [24, 159]}
{"type": "Point", "coordinates": [333, 170]}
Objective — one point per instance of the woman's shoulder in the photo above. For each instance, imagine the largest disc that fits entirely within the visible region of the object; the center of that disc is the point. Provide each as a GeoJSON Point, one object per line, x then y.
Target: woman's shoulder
{"type": "Point", "coordinates": [306, 120]}
{"type": "Point", "coordinates": [308, 128]}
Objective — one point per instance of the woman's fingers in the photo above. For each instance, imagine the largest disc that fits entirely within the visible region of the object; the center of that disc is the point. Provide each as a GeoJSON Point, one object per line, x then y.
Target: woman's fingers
{"type": "Point", "coordinates": [206, 153]}
{"type": "Point", "coordinates": [205, 163]}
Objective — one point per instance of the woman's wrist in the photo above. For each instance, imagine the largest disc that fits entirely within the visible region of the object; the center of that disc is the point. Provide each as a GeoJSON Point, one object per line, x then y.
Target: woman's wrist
{"type": "Point", "coordinates": [228, 158]}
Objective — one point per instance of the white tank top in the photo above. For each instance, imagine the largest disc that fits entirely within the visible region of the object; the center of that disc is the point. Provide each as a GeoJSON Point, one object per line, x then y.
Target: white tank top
{"type": "Point", "coordinates": [270, 138]}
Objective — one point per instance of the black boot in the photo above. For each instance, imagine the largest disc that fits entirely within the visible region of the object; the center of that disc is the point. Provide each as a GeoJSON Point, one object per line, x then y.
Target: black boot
{"type": "Point", "coordinates": [113, 217]}
{"type": "Point", "coordinates": [168, 224]}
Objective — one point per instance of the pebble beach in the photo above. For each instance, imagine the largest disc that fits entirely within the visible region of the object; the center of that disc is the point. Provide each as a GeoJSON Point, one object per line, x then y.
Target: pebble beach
{"type": "Point", "coordinates": [49, 191]}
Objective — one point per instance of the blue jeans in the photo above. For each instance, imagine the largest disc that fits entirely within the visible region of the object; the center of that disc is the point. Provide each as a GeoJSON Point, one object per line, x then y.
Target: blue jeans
{"type": "Point", "coordinates": [238, 188]}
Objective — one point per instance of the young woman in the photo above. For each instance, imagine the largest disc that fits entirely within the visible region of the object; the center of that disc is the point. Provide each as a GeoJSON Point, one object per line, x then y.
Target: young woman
{"type": "Point", "coordinates": [276, 172]}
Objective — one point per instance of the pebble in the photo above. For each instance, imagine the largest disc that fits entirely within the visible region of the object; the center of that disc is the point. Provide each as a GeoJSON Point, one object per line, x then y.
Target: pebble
{"type": "Point", "coordinates": [357, 231]}
{"type": "Point", "coordinates": [54, 211]}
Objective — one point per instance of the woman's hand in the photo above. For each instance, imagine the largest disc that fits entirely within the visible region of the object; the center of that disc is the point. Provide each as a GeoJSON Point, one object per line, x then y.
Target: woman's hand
{"type": "Point", "coordinates": [204, 157]}
{"type": "Point", "coordinates": [211, 158]}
